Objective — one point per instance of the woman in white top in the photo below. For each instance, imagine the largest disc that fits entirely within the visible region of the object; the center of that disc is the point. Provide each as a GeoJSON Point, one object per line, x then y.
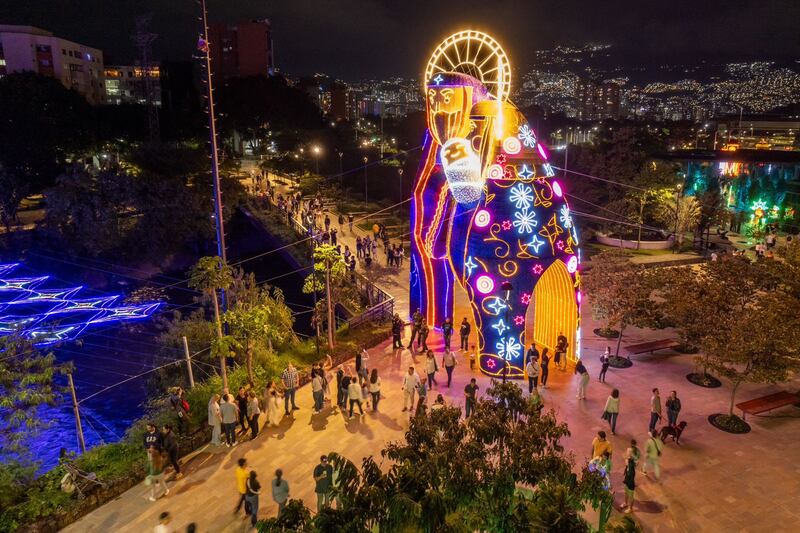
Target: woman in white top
{"type": "Point", "coordinates": [375, 388]}
{"type": "Point", "coordinates": [612, 410]}
{"type": "Point", "coordinates": [214, 419]}
{"type": "Point", "coordinates": [273, 406]}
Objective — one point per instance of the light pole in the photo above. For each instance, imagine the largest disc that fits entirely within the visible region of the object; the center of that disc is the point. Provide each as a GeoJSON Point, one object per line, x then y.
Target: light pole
{"type": "Point", "coordinates": [340, 169]}
{"type": "Point", "coordinates": [366, 189]}
{"type": "Point", "coordinates": [677, 214]}
{"type": "Point", "coordinates": [402, 226]}
{"type": "Point", "coordinates": [303, 158]}
{"type": "Point", "coordinates": [316, 150]}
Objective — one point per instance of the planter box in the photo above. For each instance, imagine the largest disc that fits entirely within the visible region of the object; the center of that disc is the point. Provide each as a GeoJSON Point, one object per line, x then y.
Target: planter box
{"type": "Point", "coordinates": [631, 245]}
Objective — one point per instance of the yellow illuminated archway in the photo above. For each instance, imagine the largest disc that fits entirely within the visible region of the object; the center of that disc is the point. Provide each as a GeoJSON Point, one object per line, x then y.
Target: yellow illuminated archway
{"type": "Point", "coordinates": [553, 309]}
{"type": "Point", "coordinates": [476, 54]}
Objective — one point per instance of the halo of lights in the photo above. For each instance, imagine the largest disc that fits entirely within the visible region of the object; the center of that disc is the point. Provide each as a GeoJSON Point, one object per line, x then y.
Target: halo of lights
{"type": "Point", "coordinates": [476, 54]}
{"type": "Point", "coordinates": [483, 218]}
{"type": "Point", "coordinates": [495, 172]}
{"type": "Point", "coordinates": [511, 145]}
{"type": "Point", "coordinates": [484, 284]}
{"type": "Point", "coordinates": [557, 189]}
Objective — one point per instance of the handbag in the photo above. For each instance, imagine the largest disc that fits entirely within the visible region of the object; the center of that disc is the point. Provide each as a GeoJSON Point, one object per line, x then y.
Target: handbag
{"type": "Point", "coordinates": [606, 415]}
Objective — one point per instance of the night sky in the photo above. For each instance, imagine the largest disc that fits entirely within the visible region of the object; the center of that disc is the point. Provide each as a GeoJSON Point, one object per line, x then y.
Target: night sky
{"type": "Point", "coordinates": [357, 39]}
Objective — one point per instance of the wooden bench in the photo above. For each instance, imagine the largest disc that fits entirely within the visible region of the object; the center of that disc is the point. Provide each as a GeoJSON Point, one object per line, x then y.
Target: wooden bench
{"type": "Point", "coordinates": [767, 403]}
{"type": "Point", "coordinates": [652, 346]}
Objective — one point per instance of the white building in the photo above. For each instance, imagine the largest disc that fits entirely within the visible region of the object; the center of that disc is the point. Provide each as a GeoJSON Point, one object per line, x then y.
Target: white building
{"type": "Point", "coordinates": [76, 66]}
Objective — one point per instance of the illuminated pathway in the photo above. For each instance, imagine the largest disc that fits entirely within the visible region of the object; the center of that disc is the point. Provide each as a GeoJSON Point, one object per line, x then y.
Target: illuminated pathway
{"type": "Point", "coordinates": [713, 482]}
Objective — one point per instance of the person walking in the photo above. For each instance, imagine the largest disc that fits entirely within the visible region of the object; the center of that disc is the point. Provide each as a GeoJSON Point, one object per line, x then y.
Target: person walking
{"type": "Point", "coordinates": [155, 473]}
{"type": "Point", "coordinates": [449, 363]}
{"type": "Point", "coordinates": [397, 332]}
{"type": "Point", "coordinates": [253, 412]}
{"type": "Point", "coordinates": [273, 406]}
{"type": "Point", "coordinates": [354, 395]}
{"type": "Point", "coordinates": [561, 352]}
{"type": "Point", "coordinates": [629, 481]}
{"type": "Point", "coordinates": [652, 455]}
{"type": "Point", "coordinates": [241, 403]}
{"type": "Point", "coordinates": [673, 408]}
{"type": "Point", "coordinates": [362, 362]}
{"type": "Point", "coordinates": [215, 419]}
{"type": "Point", "coordinates": [290, 380]}
{"type": "Point", "coordinates": [470, 397]}
{"type": "Point", "coordinates": [350, 219]}
{"type": "Point", "coordinates": [375, 389]}
{"type": "Point", "coordinates": [544, 367]}
{"type": "Point", "coordinates": [253, 488]}
{"type": "Point", "coordinates": [323, 473]}
{"type": "Point", "coordinates": [464, 331]}
{"type": "Point", "coordinates": [163, 523]}
{"type": "Point", "coordinates": [431, 368]}
{"type": "Point", "coordinates": [422, 402]}
{"type": "Point", "coordinates": [532, 369]}
{"type": "Point", "coordinates": [447, 332]}
{"type": "Point", "coordinates": [532, 353]}
{"type": "Point", "coordinates": [605, 360]}
{"type": "Point", "coordinates": [241, 475]}
{"type": "Point", "coordinates": [410, 384]}
{"type": "Point", "coordinates": [280, 490]}
{"type": "Point", "coordinates": [170, 444]}
{"type": "Point", "coordinates": [317, 390]}
{"type": "Point", "coordinates": [600, 445]}
{"type": "Point", "coordinates": [416, 325]}
{"type": "Point", "coordinates": [584, 379]}
{"type": "Point", "coordinates": [611, 411]}
{"type": "Point", "coordinates": [655, 410]}
{"type": "Point", "coordinates": [229, 414]}
{"type": "Point", "coordinates": [423, 338]}
{"type": "Point", "coordinates": [152, 438]}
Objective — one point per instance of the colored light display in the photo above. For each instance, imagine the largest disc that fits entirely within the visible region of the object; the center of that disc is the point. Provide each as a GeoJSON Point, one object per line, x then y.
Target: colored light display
{"type": "Point", "coordinates": [500, 235]}
{"type": "Point", "coordinates": [51, 315]}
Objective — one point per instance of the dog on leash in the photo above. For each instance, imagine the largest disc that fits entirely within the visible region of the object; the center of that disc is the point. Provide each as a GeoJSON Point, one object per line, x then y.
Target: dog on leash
{"type": "Point", "coordinates": [674, 432]}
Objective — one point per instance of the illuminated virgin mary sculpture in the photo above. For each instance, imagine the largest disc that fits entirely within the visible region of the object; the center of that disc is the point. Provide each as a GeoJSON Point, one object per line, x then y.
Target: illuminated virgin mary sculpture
{"type": "Point", "coordinates": [492, 235]}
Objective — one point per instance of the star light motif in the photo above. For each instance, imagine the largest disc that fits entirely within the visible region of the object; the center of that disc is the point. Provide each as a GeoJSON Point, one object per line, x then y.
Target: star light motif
{"type": "Point", "coordinates": [508, 173]}
{"type": "Point", "coordinates": [500, 326]}
{"type": "Point", "coordinates": [519, 320]}
{"type": "Point", "coordinates": [501, 159]}
{"type": "Point", "coordinates": [521, 196]}
{"type": "Point", "coordinates": [538, 269]}
{"type": "Point", "coordinates": [526, 136]}
{"type": "Point", "coordinates": [471, 265]}
{"type": "Point", "coordinates": [490, 363]}
{"type": "Point", "coordinates": [506, 224]}
{"type": "Point", "coordinates": [526, 298]}
{"type": "Point", "coordinates": [508, 349]}
{"type": "Point", "coordinates": [566, 218]}
{"type": "Point", "coordinates": [560, 244]}
{"type": "Point", "coordinates": [525, 172]}
{"type": "Point", "coordinates": [525, 221]}
{"type": "Point", "coordinates": [497, 306]}
{"type": "Point", "coordinates": [438, 79]}
{"type": "Point", "coordinates": [535, 243]}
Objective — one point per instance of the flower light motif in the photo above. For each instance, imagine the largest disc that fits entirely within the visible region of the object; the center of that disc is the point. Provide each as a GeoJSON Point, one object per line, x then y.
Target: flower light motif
{"type": "Point", "coordinates": [538, 269]}
{"type": "Point", "coordinates": [525, 221]}
{"type": "Point", "coordinates": [535, 243]}
{"type": "Point", "coordinates": [506, 224]}
{"type": "Point", "coordinates": [500, 326]}
{"type": "Point", "coordinates": [526, 298]}
{"type": "Point", "coordinates": [525, 172]}
{"type": "Point", "coordinates": [565, 218]}
{"type": "Point", "coordinates": [508, 349]}
{"type": "Point", "coordinates": [526, 136]}
{"type": "Point", "coordinates": [521, 196]}
{"type": "Point", "coordinates": [490, 363]}
{"type": "Point", "coordinates": [497, 305]}
{"type": "Point", "coordinates": [470, 265]}
{"type": "Point", "coordinates": [519, 320]}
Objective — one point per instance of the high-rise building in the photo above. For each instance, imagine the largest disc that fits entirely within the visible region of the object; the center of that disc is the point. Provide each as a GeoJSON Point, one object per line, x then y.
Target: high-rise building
{"type": "Point", "coordinates": [597, 100]}
{"type": "Point", "coordinates": [241, 50]}
{"type": "Point", "coordinates": [32, 49]}
{"type": "Point", "coordinates": [344, 104]}
{"type": "Point", "coordinates": [126, 84]}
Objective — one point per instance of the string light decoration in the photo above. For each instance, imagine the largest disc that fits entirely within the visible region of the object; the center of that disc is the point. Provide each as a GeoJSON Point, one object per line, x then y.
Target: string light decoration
{"type": "Point", "coordinates": [506, 243]}
{"type": "Point", "coordinates": [47, 316]}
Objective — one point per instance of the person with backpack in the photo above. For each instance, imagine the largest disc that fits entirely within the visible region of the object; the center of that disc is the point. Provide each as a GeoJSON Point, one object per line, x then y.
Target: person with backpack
{"type": "Point", "coordinates": [181, 408]}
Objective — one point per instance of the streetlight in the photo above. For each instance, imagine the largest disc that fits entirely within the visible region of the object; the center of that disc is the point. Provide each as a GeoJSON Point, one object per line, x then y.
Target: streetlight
{"type": "Point", "coordinates": [366, 159]}
{"type": "Point", "coordinates": [677, 214]}
{"type": "Point", "coordinates": [340, 169]}
{"type": "Point", "coordinates": [317, 150]}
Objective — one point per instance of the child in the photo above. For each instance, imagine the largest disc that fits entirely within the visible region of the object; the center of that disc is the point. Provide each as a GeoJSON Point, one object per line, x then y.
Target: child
{"type": "Point", "coordinates": [472, 358]}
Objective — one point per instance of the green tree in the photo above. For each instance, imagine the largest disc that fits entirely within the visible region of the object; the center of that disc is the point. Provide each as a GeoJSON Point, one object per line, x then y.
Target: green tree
{"type": "Point", "coordinates": [210, 275]}
{"type": "Point", "coordinates": [330, 275]}
{"type": "Point", "coordinates": [620, 292]}
{"type": "Point", "coordinates": [27, 382]}
{"type": "Point", "coordinates": [678, 213]}
{"type": "Point", "coordinates": [13, 189]}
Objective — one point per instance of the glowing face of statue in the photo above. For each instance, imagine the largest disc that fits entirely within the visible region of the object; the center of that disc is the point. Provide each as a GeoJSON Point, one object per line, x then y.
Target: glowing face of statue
{"type": "Point", "coordinates": [448, 111]}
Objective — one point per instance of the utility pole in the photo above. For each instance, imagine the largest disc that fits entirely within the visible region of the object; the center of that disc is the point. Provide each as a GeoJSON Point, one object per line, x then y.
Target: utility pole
{"type": "Point", "coordinates": [402, 226]}
{"type": "Point", "coordinates": [188, 361]}
{"type": "Point", "coordinates": [366, 190]}
{"type": "Point", "coordinates": [81, 441]}
{"type": "Point", "coordinates": [144, 39]}
{"type": "Point", "coordinates": [204, 47]}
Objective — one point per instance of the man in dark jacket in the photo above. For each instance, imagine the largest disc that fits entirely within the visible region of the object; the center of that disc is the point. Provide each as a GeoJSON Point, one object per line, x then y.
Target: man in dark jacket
{"type": "Point", "coordinates": [241, 402]}
{"type": "Point", "coordinates": [397, 331]}
{"type": "Point", "coordinates": [170, 444]}
{"type": "Point", "coordinates": [464, 331]}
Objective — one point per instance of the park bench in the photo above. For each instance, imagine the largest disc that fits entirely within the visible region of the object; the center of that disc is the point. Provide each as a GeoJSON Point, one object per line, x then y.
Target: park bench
{"type": "Point", "coordinates": [767, 403]}
{"type": "Point", "coordinates": [652, 346]}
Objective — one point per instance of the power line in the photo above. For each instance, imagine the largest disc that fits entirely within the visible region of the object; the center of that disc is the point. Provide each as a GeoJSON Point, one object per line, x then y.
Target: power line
{"type": "Point", "coordinates": [601, 179]}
